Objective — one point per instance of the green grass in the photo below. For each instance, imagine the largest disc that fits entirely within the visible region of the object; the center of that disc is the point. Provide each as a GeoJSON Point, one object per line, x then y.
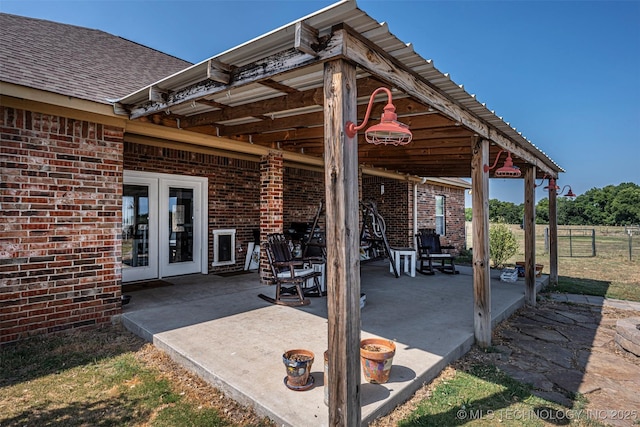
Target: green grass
{"type": "Point", "coordinates": [485, 396]}
{"type": "Point", "coordinates": [91, 379]}
{"type": "Point", "coordinates": [616, 290]}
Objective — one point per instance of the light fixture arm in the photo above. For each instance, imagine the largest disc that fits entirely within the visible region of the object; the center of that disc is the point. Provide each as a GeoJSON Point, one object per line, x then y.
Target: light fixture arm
{"type": "Point", "coordinates": [352, 129]}
{"type": "Point", "coordinates": [541, 181]}
{"type": "Point", "coordinates": [487, 168]}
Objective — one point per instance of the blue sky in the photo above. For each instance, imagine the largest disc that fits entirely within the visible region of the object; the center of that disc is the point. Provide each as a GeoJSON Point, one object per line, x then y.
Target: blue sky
{"type": "Point", "coordinates": [564, 73]}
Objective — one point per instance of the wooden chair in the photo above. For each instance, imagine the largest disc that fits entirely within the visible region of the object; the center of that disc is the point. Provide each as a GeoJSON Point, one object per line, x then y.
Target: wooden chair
{"type": "Point", "coordinates": [430, 250]}
{"type": "Point", "coordinates": [295, 279]}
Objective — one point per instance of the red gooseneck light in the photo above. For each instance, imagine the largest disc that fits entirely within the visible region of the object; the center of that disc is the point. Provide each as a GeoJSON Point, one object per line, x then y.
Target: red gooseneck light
{"type": "Point", "coordinates": [508, 170]}
{"type": "Point", "coordinates": [389, 131]}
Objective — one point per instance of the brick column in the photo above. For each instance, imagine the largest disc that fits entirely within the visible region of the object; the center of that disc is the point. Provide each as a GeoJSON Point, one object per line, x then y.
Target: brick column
{"type": "Point", "coordinates": [271, 203]}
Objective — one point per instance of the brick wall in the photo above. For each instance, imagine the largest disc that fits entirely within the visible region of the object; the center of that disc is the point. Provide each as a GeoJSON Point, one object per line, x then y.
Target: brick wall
{"type": "Point", "coordinates": [454, 212]}
{"type": "Point", "coordinates": [303, 192]}
{"type": "Point", "coordinates": [234, 193]}
{"type": "Point", "coordinates": [395, 205]}
{"type": "Point", "coordinates": [60, 197]}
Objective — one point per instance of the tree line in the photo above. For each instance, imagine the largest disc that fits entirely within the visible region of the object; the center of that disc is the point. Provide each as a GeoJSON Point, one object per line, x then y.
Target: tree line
{"type": "Point", "coordinates": [611, 205]}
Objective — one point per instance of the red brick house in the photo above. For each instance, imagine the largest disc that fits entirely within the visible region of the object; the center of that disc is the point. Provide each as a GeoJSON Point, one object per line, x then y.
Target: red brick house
{"type": "Point", "coordinates": [121, 163]}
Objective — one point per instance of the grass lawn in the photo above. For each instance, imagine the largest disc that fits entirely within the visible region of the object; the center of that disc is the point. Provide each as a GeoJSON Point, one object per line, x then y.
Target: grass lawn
{"type": "Point", "coordinates": [482, 395]}
{"type": "Point", "coordinates": [107, 377]}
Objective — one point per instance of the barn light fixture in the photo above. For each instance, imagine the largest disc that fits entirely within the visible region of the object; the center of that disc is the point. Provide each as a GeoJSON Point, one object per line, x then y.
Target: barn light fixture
{"type": "Point", "coordinates": [389, 131]}
{"type": "Point", "coordinates": [508, 170]}
{"type": "Point", "coordinates": [556, 187]}
{"type": "Point", "coordinates": [569, 193]}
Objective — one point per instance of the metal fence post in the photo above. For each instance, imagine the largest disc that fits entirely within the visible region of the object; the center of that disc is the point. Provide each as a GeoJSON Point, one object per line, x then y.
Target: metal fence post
{"type": "Point", "coordinates": [570, 244]}
{"type": "Point", "coordinates": [546, 240]}
{"type": "Point", "coordinates": [593, 241]}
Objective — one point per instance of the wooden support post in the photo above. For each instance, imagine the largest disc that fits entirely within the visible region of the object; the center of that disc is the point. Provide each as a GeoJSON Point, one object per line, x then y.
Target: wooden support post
{"type": "Point", "coordinates": [530, 236]}
{"type": "Point", "coordinates": [343, 257]}
{"type": "Point", "coordinates": [553, 233]}
{"type": "Point", "coordinates": [481, 276]}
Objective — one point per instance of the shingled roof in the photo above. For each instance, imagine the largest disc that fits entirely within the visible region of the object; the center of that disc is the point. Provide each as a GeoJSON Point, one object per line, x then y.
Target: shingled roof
{"type": "Point", "coordinates": [76, 61]}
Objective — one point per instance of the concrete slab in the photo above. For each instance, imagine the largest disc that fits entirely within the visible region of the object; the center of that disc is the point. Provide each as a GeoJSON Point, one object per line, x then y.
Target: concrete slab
{"type": "Point", "coordinates": [220, 329]}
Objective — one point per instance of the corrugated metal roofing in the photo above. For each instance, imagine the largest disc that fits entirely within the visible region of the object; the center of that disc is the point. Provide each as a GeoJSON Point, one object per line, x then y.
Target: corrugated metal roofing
{"type": "Point", "coordinates": [344, 12]}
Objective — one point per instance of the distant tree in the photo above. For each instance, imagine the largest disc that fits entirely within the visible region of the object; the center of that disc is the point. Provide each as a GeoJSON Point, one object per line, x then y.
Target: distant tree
{"type": "Point", "coordinates": [625, 207]}
{"type": "Point", "coordinates": [507, 212]}
{"type": "Point", "coordinates": [468, 214]}
{"type": "Point", "coordinates": [542, 211]}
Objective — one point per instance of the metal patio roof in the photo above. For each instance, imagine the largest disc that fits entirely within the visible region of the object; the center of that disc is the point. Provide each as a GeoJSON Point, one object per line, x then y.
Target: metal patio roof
{"type": "Point", "coordinates": [284, 111]}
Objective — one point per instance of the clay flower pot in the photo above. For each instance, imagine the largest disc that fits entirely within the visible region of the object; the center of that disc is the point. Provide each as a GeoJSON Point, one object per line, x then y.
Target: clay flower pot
{"type": "Point", "coordinates": [376, 357]}
{"type": "Point", "coordinates": [298, 364]}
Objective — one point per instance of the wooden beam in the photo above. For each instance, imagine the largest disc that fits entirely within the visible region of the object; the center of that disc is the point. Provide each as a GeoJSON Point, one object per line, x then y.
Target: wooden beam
{"type": "Point", "coordinates": [343, 257]}
{"type": "Point", "coordinates": [530, 236]}
{"type": "Point", "coordinates": [380, 64]}
{"type": "Point", "coordinates": [480, 225]}
{"type": "Point", "coordinates": [285, 102]}
{"type": "Point", "coordinates": [291, 101]}
{"type": "Point", "coordinates": [218, 71]}
{"type": "Point", "coordinates": [306, 39]}
{"type": "Point", "coordinates": [553, 233]}
{"type": "Point", "coordinates": [262, 69]}
{"type": "Point", "coordinates": [163, 143]}
{"type": "Point", "coordinates": [157, 95]}
{"type": "Point", "coordinates": [273, 84]}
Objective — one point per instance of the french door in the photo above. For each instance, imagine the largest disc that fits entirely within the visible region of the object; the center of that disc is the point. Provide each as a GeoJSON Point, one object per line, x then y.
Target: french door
{"type": "Point", "coordinates": [164, 229]}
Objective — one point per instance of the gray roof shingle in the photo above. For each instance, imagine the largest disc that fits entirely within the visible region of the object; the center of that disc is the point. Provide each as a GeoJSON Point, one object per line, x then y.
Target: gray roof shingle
{"type": "Point", "coordinates": [76, 61]}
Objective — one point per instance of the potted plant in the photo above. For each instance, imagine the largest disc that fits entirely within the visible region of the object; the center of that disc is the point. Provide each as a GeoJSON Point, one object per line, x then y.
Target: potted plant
{"type": "Point", "coordinates": [298, 364]}
{"type": "Point", "coordinates": [376, 357]}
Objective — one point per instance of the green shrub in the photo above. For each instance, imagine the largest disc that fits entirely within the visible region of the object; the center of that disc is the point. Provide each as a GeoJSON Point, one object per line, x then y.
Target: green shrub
{"type": "Point", "coordinates": [502, 243]}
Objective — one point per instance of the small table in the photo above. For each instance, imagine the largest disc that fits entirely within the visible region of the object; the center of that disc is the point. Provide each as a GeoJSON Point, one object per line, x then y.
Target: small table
{"type": "Point", "coordinates": [409, 255]}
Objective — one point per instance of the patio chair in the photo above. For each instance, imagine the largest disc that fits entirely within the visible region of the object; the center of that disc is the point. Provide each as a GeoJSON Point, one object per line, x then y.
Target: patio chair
{"type": "Point", "coordinates": [430, 250]}
{"type": "Point", "coordinates": [295, 279]}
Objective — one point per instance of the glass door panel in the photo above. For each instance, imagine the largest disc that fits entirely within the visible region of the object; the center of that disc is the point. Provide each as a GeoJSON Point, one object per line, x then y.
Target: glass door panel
{"type": "Point", "coordinates": [135, 226]}
{"type": "Point", "coordinates": [180, 225]}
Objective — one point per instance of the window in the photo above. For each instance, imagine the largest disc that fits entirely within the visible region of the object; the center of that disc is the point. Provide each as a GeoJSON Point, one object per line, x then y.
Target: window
{"type": "Point", "coordinates": [441, 228]}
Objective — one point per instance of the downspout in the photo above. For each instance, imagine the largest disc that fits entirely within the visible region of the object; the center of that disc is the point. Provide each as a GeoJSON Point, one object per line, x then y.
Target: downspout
{"type": "Point", "coordinates": [415, 209]}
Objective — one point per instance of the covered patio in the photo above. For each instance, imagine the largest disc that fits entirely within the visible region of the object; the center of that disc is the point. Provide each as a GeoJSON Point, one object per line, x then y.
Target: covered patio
{"type": "Point", "coordinates": [220, 329]}
{"type": "Point", "coordinates": [293, 97]}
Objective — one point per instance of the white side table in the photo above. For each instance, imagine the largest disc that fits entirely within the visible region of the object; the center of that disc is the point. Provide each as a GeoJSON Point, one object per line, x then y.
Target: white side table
{"type": "Point", "coordinates": [408, 255]}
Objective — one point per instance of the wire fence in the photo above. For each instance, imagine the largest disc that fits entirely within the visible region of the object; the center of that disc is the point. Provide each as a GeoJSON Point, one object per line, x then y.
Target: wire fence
{"type": "Point", "coordinates": [606, 242]}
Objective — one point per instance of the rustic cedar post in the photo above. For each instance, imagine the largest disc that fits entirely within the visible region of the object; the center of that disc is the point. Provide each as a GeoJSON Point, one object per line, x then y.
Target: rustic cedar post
{"type": "Point", "coordinates": [530, 236]}
{"type": "Point", "coordinates": [481, 277]}
{"type": "Point", "coordinates": [343, 258]}
{"type": "Point", "coordinates": [553, 233]}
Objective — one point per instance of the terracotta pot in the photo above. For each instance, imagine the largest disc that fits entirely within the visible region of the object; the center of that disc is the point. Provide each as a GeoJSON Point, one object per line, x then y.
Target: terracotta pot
{"type": "Point", "coordinates": [376, 357]}
{"type": "Point", "coordinates": [298, 364]}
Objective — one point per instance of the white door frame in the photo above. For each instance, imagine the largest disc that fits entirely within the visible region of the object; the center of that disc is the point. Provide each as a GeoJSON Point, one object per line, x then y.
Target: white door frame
{"type": "Point", "coordinates": [149, 271]}
{"type": "Point", "coordinates": [159, 216]}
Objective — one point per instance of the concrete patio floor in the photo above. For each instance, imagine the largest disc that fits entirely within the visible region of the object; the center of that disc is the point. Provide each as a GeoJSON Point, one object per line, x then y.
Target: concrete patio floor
{"type": "Point", "coordinates": [218, 328]}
